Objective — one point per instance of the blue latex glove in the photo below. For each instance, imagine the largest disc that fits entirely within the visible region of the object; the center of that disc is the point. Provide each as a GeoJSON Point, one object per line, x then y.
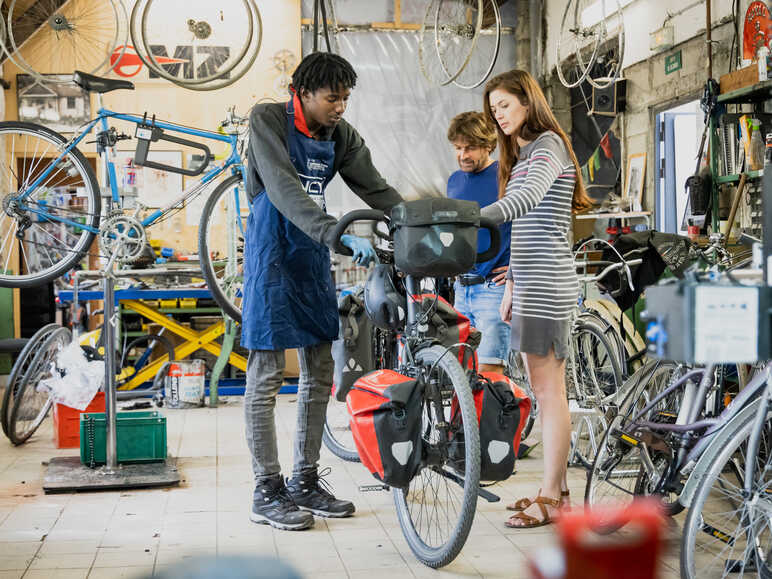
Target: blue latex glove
{"type": "Point", "coordinates": [364, 254]}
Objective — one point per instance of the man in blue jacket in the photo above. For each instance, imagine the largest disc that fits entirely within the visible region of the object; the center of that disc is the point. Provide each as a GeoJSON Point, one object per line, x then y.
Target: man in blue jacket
{"type": "Point", "coordinates": [295, 149]}
{"type": "Point", "coordinates": [479, 292]}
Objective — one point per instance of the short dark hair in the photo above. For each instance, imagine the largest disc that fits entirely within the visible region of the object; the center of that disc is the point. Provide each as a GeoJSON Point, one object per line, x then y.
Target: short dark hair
{"type": "Point", "coordinates": [323, 70]}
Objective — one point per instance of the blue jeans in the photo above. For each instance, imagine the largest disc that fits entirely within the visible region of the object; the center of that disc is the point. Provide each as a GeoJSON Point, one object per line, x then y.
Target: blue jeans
{"type": "Point", "coordinates": [480, 303]}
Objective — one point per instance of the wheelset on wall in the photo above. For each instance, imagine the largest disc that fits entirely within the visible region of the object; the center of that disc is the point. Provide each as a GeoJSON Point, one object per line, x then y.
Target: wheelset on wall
{"type": "Point", "coordinates": [459, 41]}
{"type": "Point", "coordinates": [591, 44]}
{"type": "Point", "coordinates": [221, 40]}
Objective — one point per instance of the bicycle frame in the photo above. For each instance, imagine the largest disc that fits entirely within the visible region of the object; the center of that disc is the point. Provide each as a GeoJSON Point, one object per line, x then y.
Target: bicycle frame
{"type": "Point", "coordinates": [233, 162]}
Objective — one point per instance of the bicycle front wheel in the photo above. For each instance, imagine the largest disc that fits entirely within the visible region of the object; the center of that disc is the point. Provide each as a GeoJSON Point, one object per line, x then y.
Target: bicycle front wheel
{"type": "Point", "coordinates": [727, 532]}
{"type": "Point", "coordinates": [437, 509]}
{"type": "Point", "coordinates": [337, 435]}
{"type": "Point", "coordinates": [19, 371]}
{"type": "Point", "coordinates": [221, 243]}
{"type": "Point", "coordinates": [31, 405]}
{"type": "Point", "coordinates": [45, 230]}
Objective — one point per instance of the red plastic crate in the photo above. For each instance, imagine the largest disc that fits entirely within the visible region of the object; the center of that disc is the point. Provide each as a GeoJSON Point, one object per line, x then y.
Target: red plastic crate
{"type": "Point", "coordinates": [67, 422]}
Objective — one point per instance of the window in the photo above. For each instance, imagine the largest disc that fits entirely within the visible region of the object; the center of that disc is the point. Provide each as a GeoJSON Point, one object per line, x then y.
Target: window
{"type": "Point", "coordinates": [70, 102]}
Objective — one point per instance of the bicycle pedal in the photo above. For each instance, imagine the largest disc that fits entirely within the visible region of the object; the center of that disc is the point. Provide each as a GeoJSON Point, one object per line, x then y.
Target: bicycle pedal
{"type": "Point", "coordinates": [626, 438]}
{"type": "Point", "coordinates": [373, 488]}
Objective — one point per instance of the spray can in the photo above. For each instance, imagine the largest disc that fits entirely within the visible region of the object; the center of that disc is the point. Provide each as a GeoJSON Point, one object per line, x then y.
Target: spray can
{"type": "Point", "coordinates": [173, 385]}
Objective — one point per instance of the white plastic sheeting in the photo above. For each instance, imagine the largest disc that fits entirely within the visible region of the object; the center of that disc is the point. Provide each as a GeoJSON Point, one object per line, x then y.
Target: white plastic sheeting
{"type": "Point", "coordinates": [402, 117]}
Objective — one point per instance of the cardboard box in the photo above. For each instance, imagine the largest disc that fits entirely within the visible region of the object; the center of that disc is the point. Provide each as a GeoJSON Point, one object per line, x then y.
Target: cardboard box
{"type": "Point", "coordinates": [740, 78]}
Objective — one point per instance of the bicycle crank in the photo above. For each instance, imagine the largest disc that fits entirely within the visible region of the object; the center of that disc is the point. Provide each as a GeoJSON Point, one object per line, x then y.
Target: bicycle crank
{"type": "Point", "coordinates": [123, 236]}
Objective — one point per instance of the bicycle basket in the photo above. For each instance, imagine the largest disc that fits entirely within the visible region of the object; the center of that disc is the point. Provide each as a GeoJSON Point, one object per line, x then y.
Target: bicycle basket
{"type": "Point", "coordinates": [435, 237]}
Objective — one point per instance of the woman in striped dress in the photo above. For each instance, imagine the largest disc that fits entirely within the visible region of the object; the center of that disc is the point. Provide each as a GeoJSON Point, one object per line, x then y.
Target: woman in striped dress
{"type": "Point", "coordinates": [539, 186]}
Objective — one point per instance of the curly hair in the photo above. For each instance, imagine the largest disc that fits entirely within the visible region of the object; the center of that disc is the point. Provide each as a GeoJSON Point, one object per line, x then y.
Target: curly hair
{"type": "Point", "coordinates": [472, 128]}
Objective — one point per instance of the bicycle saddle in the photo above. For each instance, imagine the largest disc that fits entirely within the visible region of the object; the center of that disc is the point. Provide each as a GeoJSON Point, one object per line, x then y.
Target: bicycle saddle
{"type": "Point", "coordinates": [98, 84]}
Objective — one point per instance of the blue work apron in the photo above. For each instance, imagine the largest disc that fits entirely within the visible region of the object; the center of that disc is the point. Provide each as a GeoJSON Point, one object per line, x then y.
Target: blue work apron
{"type": "Point", "coordinates": [289, 297]}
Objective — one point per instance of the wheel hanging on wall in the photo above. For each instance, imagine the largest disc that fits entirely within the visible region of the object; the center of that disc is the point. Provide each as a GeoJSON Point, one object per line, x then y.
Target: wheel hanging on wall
{"type": "Point", "coordinates": [222, 42]}
{"type": "Point", "coordinates": [483, 57]}
{"type": "Point", "coordinates": [448, 37]}
{"type": "Point", "coordinates": [88, 35]}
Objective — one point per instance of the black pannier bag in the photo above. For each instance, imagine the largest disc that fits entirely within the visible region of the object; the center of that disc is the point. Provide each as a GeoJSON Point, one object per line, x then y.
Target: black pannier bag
{"type": "Point", "coordinates": [353, 351]}
{"type": "Point", "coordinates": [384, 408]}
{"type": "Point", "coordinates": [435, 237]}
{"type": "Point", "coordinates": [502, 412]}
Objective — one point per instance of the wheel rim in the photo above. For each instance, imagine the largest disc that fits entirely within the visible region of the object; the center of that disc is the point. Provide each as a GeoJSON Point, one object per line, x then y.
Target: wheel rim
{"type": "Point", "coordinates": [48, 218]}
{"type": "Point", "coordinates": [575, 27]}
{"type": "Point", "coordinates": [225, 246]}
{"type": "Point", "coordinates": [232, 26]}
{"type": "Point", "coordinates": [78, 35]}
{"type": "Point", "coordinates": [732, 527]}
{"type": "Point", "coordinates": [483, 57]}
{"type": "Point", "coordinates": [32, 405]}
{"type": "Point", "coordinates": [435, 510]}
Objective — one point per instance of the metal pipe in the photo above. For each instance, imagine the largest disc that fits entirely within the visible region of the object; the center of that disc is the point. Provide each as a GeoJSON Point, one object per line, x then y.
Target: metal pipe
{"type": "Point", "coordinates": [111, 441]}
{"type": "Point", "coordinates": [708, 39]}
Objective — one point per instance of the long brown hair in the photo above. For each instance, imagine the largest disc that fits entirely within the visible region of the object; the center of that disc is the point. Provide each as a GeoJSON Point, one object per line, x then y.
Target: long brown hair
{"type": "Point", "coordinates": [539, 119]}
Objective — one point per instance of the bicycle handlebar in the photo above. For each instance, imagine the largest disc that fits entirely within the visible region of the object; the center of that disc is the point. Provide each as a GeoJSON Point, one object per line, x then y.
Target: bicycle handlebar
{"type": "Point", "coordinates": [348, 219]}
{"type": "Point", "coordinates": [493, 249]}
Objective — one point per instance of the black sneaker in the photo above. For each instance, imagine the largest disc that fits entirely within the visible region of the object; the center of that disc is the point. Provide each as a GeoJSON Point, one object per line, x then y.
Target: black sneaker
{"type": "Point", "coordinates": [312, 493]}
{"type": "Point", "coordinates": [274, 506]}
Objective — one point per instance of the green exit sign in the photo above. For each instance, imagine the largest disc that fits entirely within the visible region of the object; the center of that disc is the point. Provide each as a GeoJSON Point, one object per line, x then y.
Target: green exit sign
{"type": "Point", "coordinates": [672, 62]}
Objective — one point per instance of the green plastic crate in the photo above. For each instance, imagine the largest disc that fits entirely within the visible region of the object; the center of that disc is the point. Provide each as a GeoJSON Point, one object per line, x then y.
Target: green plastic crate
{"type": "Point", "coordinates": [141, 437]}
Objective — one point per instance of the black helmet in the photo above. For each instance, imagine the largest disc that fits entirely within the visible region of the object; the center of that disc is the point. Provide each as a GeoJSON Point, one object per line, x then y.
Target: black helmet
{"type": "Point", "coordinates": [384, 303]}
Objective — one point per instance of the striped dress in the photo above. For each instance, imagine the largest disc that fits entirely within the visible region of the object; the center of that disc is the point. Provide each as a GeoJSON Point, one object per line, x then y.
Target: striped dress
{"type": "Point", "coordinates": [538, 202]}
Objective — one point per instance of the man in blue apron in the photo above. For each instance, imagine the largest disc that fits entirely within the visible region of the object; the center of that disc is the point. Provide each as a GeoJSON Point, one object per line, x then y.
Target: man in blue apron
{"type": "Point", "coordinates": [289, 301]}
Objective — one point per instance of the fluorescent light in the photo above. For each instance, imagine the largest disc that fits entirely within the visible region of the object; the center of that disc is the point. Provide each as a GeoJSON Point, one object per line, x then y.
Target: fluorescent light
{"type": "Point", "coordinates": [593, 13]}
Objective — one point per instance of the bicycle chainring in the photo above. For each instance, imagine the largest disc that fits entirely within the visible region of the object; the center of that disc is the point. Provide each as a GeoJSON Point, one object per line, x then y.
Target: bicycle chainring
{"type": "Point", "coordinates": [122, 234]}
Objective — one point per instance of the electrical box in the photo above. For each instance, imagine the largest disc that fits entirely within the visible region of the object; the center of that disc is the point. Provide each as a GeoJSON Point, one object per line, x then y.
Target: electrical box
{"type": "Point", "coordinates": [702, 323]}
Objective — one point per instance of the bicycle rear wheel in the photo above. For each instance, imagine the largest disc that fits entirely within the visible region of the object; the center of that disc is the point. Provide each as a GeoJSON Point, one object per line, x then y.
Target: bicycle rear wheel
{"type": "Point", "coordinates": [46, 231]}
{"type": "Point", "coordinates": [618, 474]}
{"type": "Point", "coordinates": [727, 532]}
{"type": "Point", "coordinates": [87, 35]}
{"type": "Point", "coordinates": [221, 243]}
{"type": "Point", "coordinates": [31, 406]}
{"type": "Point", "coordinates": [19, 371]}
{"type": "Point", "coordinates": [437, 509]}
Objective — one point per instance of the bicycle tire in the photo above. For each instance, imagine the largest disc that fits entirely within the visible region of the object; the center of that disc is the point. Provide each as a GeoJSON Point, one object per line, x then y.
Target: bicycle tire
{"type": "Point", "coordinates": [19, 369]}
{"type": "Point", "coordinates": [559, 58]}
{"type": "Point", "coordinates": [437, 357]}
{"type": "Point", "coordinates": [477, 79]}
{"type": "Point", "coordinates": [620, 46]}
{"type": "Point", "coordinates": [334, 445]}
{"type": "Point", "coordinates": [74, 254]}
{"type": "Point", "coordinates": [694, 524]}
{"type": "Point", "coordinates": [251, 10]}
{"type": "Point", "coordinates": [611, 452]}
{"type": "Point", "coordinates": [515, 371]}
{"type": "Point", "coordinates": [230, 304]}
{"type": "Point", "coordinates": [430, 34]}
{"type": "Point", "coordinates": [30, 405]}
{"type": "Point", "coordinates": [598, 365]}
{"type": "Point", "coordinates": [58, 29]}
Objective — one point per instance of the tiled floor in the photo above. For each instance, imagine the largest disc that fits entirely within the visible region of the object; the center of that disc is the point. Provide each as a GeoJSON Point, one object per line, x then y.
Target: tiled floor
{"type": "Point", "coordinates": [138, 533]}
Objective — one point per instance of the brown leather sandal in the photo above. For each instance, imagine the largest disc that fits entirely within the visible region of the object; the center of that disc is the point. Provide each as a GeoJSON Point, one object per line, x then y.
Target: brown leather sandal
{"type": "Point", "coordinates": [529, 522]}
{"type": "Point", "coordinates": [525, 502]}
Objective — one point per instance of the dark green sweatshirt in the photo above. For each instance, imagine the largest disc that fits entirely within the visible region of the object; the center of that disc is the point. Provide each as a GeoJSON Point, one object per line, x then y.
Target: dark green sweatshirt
{"type": "Point", "coordinates": [269, 168]}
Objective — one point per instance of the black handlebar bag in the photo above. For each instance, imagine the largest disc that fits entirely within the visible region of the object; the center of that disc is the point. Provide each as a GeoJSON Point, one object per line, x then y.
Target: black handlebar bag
{"type": "Point", "coordinates": [502, 412]}
{"type": "Point", "coordinates": [435, 237]}
{"type": "Point", "coordinates": [385, 414]}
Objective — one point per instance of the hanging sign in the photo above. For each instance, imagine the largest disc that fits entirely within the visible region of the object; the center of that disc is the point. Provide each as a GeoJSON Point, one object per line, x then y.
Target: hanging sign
{"type": "Point", "coordinates": [756, 29]}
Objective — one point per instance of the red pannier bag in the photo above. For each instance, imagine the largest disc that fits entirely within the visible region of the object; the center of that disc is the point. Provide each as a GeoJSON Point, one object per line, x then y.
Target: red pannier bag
{"type": "Point", "coordinates": [385, 413]}
{"type": "Point", "coordinates": [502, 412]}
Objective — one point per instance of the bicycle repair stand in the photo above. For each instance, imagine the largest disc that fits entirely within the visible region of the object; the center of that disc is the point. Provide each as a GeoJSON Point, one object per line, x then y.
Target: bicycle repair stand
{"type": "Point", "coordinates": [68, 474]}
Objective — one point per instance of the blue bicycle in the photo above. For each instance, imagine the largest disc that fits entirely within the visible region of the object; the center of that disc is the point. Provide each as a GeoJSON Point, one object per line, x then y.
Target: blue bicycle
{"type": "Point", "coordinates": [51, 209]}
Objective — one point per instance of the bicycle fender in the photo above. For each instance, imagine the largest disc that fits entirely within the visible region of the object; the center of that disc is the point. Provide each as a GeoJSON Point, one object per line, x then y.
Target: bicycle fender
{"type": "Point", "coordinates": [709, 455]}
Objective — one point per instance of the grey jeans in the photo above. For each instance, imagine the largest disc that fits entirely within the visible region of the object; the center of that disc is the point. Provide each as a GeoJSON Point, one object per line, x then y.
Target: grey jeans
{"type": "Point", "coordinates": [265, 375]}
